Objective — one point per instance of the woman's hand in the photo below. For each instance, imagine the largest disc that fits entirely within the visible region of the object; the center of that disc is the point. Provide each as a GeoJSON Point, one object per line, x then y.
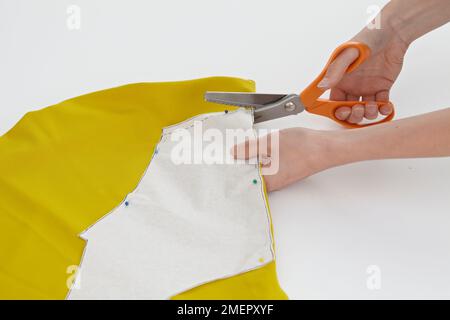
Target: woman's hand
{"type": "Point", "coordinates": [401, 22]}
{"type": "Point", "coordinates": [371, 82]}
{"type": "Point", "coordinates": [301, 153]}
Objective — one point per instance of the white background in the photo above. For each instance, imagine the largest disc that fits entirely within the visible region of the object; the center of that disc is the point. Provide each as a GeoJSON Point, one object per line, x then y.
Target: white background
{"type": "Point", "coordinates": [329, 228]}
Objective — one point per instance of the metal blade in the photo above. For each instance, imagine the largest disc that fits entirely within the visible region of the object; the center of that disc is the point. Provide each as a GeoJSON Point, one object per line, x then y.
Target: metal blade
{"type": "Point", "coordinates": [288, 106]}
{"type": "Point", "coordinates": [243, 99]}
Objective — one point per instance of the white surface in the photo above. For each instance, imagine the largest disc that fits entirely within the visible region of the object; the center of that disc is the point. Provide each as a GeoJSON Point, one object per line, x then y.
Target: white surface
{"type": "Point", "coordinates": [184, 225]}
{"type": "Point", "coordinates": [329, 228]}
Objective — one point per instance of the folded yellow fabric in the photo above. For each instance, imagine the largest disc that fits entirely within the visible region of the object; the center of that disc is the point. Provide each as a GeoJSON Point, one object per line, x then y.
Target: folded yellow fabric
{"type": "Point", "coordinates": [64, 167]}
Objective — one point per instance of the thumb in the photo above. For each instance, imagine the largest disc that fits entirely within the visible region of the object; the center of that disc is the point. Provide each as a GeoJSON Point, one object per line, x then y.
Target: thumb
{"type": "Point", "coordinates": [245, 150]}
{"type": "Point", "coordinates": [336, 70]}
{"type": "Point", "coordinates": [260, 148]}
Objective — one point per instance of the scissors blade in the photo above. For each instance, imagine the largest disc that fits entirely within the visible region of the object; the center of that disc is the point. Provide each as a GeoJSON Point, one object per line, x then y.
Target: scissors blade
{"type": "Point", "coordinates": [243, 99]}
{"type": "Point", "coordinates": [266, 106]}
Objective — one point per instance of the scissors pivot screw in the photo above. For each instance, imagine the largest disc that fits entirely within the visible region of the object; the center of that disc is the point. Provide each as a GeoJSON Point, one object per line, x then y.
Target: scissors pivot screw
{"type": "Point", "coordinates": [289, 106]}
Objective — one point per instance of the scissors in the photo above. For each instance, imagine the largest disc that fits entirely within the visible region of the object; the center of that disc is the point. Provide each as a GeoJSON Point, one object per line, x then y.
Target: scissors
{"type": "Point", "coordinates": [272, 106]}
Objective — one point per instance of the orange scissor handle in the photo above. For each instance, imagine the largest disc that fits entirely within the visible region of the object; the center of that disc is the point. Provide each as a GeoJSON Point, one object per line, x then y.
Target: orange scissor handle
{"type": "Point", "coordinates": [327, 108]}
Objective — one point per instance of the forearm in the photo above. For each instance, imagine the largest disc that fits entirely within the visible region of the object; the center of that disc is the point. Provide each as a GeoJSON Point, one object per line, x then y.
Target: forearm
{"type": "Point", "coordinates": [405, 21]}
{"type": "Point", "coordinates": [426, 135]}
{"type": "Point", "coordinates": [411, 19]}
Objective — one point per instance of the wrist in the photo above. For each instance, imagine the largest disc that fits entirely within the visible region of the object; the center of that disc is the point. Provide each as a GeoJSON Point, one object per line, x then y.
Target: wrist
{"type": "Point", "coordinates": [337, 147]}
{"type": "Point", "coordinates": [389, 31]}
{"type": "Point", "coordinates": [349, 146]}
{"type": "Point", "coordinates": [376, 39]}
{"type": "Point", "coordinates": [398, 28]}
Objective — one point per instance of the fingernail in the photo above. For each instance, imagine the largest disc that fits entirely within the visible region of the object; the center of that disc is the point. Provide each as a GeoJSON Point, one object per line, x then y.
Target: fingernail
{"type": "Point", "coordinates": [385, 110]}
{"type": "Point", "coordinates": [265, 160]}
{"type": "Point", "coordinates": [343, 115]}
{"type": "Point", "coordinates": [325, 83]}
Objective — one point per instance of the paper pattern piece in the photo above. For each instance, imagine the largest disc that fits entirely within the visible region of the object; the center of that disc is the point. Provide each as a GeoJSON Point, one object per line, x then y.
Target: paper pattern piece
{"type": "Point", "coordinates": [183, 226]}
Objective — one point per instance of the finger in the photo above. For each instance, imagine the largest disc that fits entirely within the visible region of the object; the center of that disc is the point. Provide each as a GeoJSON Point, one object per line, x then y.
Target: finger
{"type": "Point", "coordinates": [338, 67]}
{"type": "Point", "coordinates": [264, 149]}
{"type": "Point", "coordinates": [351, 97]}
{"type": "Point", "coordinates": [337, 95]}
{"type": "Point", "coordinates": [371, 110]}
{"type": "Point", "coordinates": [343, 113]}
{"type": "Point", "coordinates": [386, 109]}
{"type": "Point", "coordinates": [368, 98]}
{"type": "Point", "coordinates": [260, 148]}
{"type": "Point", "coordinates": [265, 160]}
{"type": "Point", "coordinates": [382, 96]}
{"type": "Point", "coordinates": [245, 150]}
{"type": "Point", "coordinates": [357, 114]}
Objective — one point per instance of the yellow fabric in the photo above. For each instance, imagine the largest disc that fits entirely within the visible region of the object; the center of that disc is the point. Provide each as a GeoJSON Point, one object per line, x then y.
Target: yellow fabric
{"type": "Point", "coordinates": [256, 284]}
{"type": "Point", "coordinates": [64, 167]}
